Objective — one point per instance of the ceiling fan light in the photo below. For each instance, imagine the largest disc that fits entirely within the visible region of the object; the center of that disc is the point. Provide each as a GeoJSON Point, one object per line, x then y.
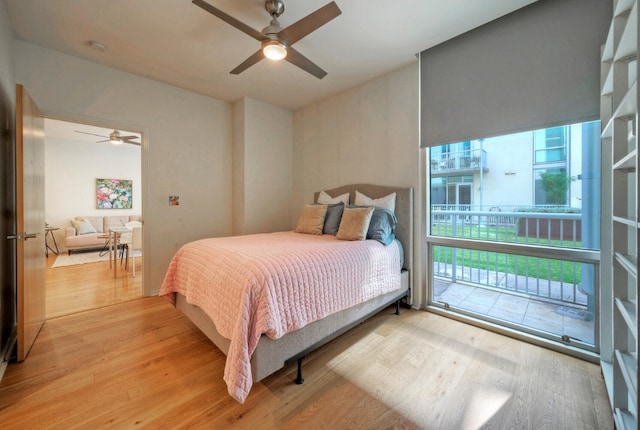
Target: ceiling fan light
{"type": "Point", "coordinates": [274, 50]}
{"type": "Point", "coordinates": [116, 141]}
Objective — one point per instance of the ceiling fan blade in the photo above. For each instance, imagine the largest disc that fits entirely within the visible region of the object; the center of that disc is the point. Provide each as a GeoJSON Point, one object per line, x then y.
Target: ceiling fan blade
{"type": "Point", "coordinates": [257, 56]}
{"type": "Point", "coordinates": [128, 137]}
{"type": "Point", "coordinates": [101, 141]}
{"type": "Point", "coordinates": [92, 134]}
{"type": "Point", "coordinates": [132, 143]}
{"type": "Point", "coordinates": [309, 23]}
{"type": "Point", "coordinates": [229, 20]}
{"type": "Point", "coordinates": [295, 57]}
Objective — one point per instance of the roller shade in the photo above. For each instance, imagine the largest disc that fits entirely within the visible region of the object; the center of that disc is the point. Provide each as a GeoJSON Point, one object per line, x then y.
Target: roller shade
{"type": "Point", "coordinates": [537, 67]}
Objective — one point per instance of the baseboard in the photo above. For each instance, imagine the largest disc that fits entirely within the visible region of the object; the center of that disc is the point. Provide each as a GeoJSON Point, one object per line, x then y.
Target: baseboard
{"type": "Point", "coordinates": [8, 352]}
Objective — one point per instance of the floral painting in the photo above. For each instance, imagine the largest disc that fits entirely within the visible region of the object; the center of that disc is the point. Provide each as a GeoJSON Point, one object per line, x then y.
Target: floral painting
{"type": "Point", "coordinates": [114, 193]}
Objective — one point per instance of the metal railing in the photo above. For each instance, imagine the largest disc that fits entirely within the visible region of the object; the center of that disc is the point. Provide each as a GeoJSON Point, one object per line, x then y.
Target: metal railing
{"type": "Point", "coordinates": [472, 159]}
{"type": "Point", "coordinates": [548, 279]}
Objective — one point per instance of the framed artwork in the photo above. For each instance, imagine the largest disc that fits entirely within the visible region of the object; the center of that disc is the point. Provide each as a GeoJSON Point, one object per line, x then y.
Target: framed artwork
{"type": "Point", "coordinates": [114, 193]}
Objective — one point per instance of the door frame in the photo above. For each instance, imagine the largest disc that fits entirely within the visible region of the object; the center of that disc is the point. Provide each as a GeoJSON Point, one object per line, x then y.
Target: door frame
{"type": "Point", "coordinates": [144, 170]}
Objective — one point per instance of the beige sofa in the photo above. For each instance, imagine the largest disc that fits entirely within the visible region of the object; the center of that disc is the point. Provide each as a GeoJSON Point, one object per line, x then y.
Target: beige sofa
{"type": "Point", "coordinates": [85, 232]}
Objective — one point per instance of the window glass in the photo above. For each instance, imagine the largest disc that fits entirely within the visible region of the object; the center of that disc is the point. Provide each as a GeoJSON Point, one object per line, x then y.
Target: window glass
{"type": "Point", "coordinates": [524, 187]}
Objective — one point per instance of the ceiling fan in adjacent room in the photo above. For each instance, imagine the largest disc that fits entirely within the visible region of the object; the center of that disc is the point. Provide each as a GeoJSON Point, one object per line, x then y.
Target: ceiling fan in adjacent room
{"type": "Point", "coordinates": [276, 41]}
{"type": "Point", "coordinates": [114, 137]}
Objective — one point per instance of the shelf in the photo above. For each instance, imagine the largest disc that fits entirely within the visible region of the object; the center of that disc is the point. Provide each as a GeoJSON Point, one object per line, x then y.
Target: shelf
{"type": "Point", "coordinates": [607, 51]}
{"type": "Point", "coordinates": [626, 221]}
{"type": "Point", "coordinates": [623, 7]}
{"type": "Point", "coordinates": [629, 262]}
{"type": "Point", "coordinates": [627, 107]}
{"type": "Point", "coordinates": [619, 284]}
{"type": "Point", "coordinates": [628, 45]}
{"type": "Point", "coordinates": [624, 420]}
{"type": "Point", "coordinates": [607, 86]}
{"type": "Point", "coordinates": [628, 367]}
{"type": "Point", "coordinates": [628, 311]}
{"type": "Point", "coordinates": [627, 164]}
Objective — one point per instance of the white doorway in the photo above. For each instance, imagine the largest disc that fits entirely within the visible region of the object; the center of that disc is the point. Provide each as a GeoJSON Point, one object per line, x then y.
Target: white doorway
{"type": "Point", "coordinates": [79, 157]}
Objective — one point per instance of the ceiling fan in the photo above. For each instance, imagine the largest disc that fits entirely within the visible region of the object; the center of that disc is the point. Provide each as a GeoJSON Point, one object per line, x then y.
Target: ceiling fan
{"type": "Point", "coordinates": [276, 41]}
{"type": "Point", "coordinates": [114, 137]}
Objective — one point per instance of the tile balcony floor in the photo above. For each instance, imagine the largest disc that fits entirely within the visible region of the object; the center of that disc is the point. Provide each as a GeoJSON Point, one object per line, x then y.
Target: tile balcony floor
{"type": "Point", "coordinates": [518, 309]}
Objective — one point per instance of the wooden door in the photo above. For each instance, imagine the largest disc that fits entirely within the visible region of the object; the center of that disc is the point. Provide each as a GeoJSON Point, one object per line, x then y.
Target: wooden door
{"type": "Point", "coordinates": [30, 221]}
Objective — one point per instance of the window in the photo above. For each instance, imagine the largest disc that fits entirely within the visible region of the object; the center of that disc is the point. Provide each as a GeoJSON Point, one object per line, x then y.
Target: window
{"type": "Point", "coordinates": [550, 145]}
{"type": "Point", "coordinates": [521, 194]}
{"type": "Point", "coordinates": [551, 187]}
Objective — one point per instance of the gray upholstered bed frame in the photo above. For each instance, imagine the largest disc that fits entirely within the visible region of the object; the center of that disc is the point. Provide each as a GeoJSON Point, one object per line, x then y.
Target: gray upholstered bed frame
{"type": "Point", "coordinates": [272, 354]}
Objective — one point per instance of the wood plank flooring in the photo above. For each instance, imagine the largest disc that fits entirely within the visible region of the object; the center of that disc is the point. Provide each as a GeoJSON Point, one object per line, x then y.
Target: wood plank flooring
{"type": "Point", "coordinates": [141, 364]}
{"type": "Point", "coordinates": [82, 287]}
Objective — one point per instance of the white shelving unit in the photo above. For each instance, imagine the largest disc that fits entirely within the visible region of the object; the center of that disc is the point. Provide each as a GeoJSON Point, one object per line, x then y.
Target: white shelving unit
{"type": "Point", "coordinates": [621, 227]}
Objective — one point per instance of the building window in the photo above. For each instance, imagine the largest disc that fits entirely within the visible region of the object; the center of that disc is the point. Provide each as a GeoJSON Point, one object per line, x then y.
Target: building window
{"type": "Point", "coordinates": [551, 186]}
{"type": "Point", "coordinates": [550, 145]}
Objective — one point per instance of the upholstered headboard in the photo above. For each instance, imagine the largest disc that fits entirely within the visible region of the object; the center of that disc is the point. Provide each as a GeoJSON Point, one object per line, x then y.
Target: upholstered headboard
{"type": "Point", "coordinates": [403, 211]}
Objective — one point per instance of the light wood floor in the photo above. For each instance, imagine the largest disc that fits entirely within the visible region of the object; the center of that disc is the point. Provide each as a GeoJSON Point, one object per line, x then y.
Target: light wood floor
{"type": "Point", "coordinates": [142, 364]}
{"type": "Point", "coordinates": [78, 288]}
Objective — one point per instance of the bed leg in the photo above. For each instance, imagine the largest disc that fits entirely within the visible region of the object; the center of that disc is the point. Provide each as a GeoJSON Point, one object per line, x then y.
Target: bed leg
{"type": "Point", "coordinates": [398, 307]}
{"type": "Point", "coordinates": [299, 379]}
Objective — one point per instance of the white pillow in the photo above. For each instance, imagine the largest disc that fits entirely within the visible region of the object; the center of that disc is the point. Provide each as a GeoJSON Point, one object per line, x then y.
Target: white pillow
{"type": "Point", "coordinates": [386, 202]}
{"type": "Point", "coordinates": [326, 199]}
{"type": "Point", "coordinates": [83, 226]}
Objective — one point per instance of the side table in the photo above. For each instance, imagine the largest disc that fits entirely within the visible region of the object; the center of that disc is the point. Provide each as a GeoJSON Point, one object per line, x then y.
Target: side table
{"type": "Point", "coordinates": [48, 232]}
{"type": "Point", "coordinates": [107, 242]}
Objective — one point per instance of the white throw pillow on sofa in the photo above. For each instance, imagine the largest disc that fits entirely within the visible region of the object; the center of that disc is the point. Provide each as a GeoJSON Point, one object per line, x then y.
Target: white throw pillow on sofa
{"type": "Point", "coordinates": [83, 226]}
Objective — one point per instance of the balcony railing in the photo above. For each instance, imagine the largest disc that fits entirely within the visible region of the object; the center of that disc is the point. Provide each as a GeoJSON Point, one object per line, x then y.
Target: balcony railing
{"type": "Point", "coordinates": [554, 280]}
{"type": "Point", "coordinates": [458, 162]}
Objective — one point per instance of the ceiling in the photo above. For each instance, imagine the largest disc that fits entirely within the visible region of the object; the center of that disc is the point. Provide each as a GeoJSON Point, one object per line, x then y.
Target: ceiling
{"type": "Point", "coordinates": [178, 43]}
{"type": "Point", "coordinates": [68, 131]}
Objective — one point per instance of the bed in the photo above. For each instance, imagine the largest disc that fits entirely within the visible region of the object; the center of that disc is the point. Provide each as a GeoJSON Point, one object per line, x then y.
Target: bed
{"type": "Point", "coordinates": [244, 327]}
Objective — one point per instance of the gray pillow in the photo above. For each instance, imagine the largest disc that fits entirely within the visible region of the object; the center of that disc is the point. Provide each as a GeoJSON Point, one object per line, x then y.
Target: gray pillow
{"type": "Point", "coordinates": [382, 226]}
{"type": "Point", "coordinates": [332, 220]}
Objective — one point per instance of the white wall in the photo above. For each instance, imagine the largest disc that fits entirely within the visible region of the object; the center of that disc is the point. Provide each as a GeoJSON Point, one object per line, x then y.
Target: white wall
{"type": "Point", "coordinates": [268, 167]}
{"type": "Point", "coordinates": [367, 134]}
{"type": "Point", "coordinates": [186, 147]}
{"type": "Point", "coordinates": [7, 82]}
{"type": "Point", "coordinates": [71, 170]}
{"type": "Point", "coordinates": [262, 167]}
{"type": "Point", "coordinates": [509, 159]}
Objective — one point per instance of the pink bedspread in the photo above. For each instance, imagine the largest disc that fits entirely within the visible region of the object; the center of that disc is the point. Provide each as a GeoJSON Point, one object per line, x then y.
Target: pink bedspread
{"type": "Point", "coordinates": [275, 283]}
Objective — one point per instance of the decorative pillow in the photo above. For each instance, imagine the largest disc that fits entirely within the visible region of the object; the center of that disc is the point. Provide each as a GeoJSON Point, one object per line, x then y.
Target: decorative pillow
{"type": "Point", "coordinates": [332, 219]}
{"type": "Point", "coordinates": [382, 226]}
{"type": "Point", "coordinates": [83, 226]}
{"type": "Point", "coordinates": [354, 224]}
{"type": "Point", "coordinates": [387, 202]}
{"type": "Point", "coordinates": [311, 219]}
{"type": "Point", "coordinates": [326, 199]}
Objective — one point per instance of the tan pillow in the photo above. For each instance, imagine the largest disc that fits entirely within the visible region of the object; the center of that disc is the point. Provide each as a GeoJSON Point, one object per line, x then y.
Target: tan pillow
{"type": "Point", "coordinates": [311, 219]}
{"type": "Point", "coordinates": [354, 223]}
